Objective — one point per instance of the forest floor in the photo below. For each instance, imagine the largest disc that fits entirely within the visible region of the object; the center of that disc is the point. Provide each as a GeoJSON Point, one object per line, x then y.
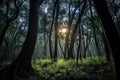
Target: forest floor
{"type": "Point", "coordinates": [87, 69]}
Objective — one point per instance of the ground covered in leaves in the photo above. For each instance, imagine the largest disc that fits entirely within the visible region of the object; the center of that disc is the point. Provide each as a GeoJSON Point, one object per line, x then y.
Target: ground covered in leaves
{"type": "Point", "coordinates": [87, 69]}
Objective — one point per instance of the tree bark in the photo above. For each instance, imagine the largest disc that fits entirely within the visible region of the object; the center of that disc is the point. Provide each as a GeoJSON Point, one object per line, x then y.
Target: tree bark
{"type": "Point", "coordinates": [21, 66]}
{"type": "Point", "coordinates": [73, 35]}
{"type": "Point", "coordinates": [67, 39]}
{"type": "Point", "coordinates": [50, 32]}
{"type": "Point", "coordinates": [56, 30]}
{"type": "Point", "coordinates": [107, 48]}
{"type": "Point", "coordinates": [9, 19]}
{"type": "Point", "coordinates": [111, 32]}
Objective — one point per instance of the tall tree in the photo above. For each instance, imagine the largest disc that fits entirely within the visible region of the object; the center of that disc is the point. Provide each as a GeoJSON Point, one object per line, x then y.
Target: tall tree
{"type": "Point", "coordinates": [73, 34]}
{"type": "Point", "coordinates": [71, 18]}
{"type": "Point", "coordinates": [22, 64]}
{"type": "Point", "coordinates": [56, 29]}
{"type": "Point", "coordinates": [9, 19]}
{"type": "Point", "coordinates": [50, 32]}
{"type": "Point", "coordinates": [111, 32]}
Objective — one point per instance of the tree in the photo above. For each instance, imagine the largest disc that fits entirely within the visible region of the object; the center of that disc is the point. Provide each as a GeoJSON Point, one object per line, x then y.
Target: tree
{"type": "Point", "coordinates": [71, 18]}
{"type": "Point", "coordinates": [21, 66]}
{"type": "Point", "coordinates": [50, 32]}
{"type": "Point", "coordinates": [73, 34]}
{"type": "Point", "coordinates": [56, 30]}
{"type": "Point", "coordinates": [9, 19]}
{"type": "Point", "coordinates": [110, 31]}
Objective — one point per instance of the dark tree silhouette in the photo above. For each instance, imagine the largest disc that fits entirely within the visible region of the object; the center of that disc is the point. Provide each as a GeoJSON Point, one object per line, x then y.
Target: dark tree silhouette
{"type": "Point", "coordinates": [111, 32]}
{"type": "Point", "coordinates": [73, 35]}
{"type": "Point", "coordinates": [67, 39]}
{"type": "Point", "coordinates": [56, 30]}
{"type": "Point", "coordinates": [107, 47]}
{"type": "Point", "coordinates": [21, 66]}
{"type": "Point", "coordinates": [9, 19]}
{"type": "Point", "coordinates": [51, 27]}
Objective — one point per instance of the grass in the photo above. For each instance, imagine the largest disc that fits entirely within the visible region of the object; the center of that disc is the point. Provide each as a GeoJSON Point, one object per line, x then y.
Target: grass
{"type": "Point", "coordinates": [95, 69]}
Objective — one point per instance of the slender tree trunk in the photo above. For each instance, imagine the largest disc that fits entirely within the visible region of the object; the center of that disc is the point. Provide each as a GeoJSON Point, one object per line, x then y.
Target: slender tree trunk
{"type": "Point", "coordinates": [94, 30]}
{"type": "Point", "coordinates": [73, 35]}
{"type": "Point", "coordinates": [79, 47]}
{"type": "Point", "coordinates": [111, 32]}
{"type": "Point", "coordinates": [67, 39]}
{"type": "Point", "coordinates": [50, 33]}
{"type": "Point", "coordinates": [68, 33]}
{"type": "Point", "coordinates": [56, 31]}
{"type": "Point", "coordinates": [61, 48]}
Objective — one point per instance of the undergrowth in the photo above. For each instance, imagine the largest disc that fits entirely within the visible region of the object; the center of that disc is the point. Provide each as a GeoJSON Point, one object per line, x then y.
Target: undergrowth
{"type": "Point", "coordinates": [87, 69]}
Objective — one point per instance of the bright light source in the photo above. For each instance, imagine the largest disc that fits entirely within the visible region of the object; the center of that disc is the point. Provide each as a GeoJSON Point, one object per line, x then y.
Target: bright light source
{"type": "Point", "coordinates": [63, 30]}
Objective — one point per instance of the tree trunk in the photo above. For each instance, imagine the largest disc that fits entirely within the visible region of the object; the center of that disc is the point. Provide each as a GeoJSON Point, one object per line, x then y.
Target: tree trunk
{"type": "Point", "coordinates": [9, 19]}
{"type": "Point", "coordinates": [79, 46]}
{"type": "Point", "coordinates": [73, 35]}
{"type": "Point", "coordinates": [21, 66]}
{"type": "Point", "coordinates": [67, 39]}
{"type": "Point", "coordinates": [50, 32]}
{"type": "Point", "coordinates": [56, 30]}
{"type": "Point", "coordinates": [107, 47]}
{"type": "Point", "coordinates": [111, 32]}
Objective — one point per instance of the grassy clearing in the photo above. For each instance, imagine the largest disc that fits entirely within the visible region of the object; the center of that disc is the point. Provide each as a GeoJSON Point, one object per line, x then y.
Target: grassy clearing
{"type": "Point", "coordinates": [95, 69]}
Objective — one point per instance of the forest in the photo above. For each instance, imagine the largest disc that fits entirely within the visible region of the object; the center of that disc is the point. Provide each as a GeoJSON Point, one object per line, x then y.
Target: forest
{"type": "Point", "coordinates": [59, 39]}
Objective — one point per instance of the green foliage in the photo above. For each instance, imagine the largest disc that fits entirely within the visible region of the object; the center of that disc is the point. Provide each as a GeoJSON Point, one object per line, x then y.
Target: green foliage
{"type": "Point", "coordinates": [97, 69]}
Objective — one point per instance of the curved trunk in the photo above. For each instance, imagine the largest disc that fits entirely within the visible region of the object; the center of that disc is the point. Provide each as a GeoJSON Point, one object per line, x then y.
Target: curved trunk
{"type": "Point", "coordinates": [111, 32]}
{"type": "Point", "coordinates": [22, 64]}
